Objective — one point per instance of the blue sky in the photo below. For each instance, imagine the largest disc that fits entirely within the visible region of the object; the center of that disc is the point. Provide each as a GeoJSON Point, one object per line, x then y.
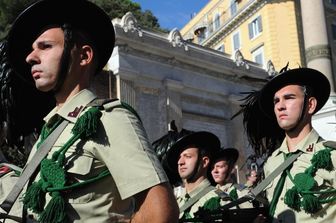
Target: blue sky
{"type": "Point", "coordinates": [172, 13]}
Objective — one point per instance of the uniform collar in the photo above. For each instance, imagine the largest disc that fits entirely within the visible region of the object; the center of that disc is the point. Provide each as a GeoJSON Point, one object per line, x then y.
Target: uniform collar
{"type": "Point", "coordinates": [204, 184]}
{"type": "Point", "coordinates": [306, 145]}
{"type": "Point", "coordinates": [225, 187]}
{"type": "Point", "coordinates": [72, 108]}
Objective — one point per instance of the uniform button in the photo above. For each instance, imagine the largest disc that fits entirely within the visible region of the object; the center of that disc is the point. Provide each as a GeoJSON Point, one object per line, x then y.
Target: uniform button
{"type": "Point", "coordinates": [281, 198]}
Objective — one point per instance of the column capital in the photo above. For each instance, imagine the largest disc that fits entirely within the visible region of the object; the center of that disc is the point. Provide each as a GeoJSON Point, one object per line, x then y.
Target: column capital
{"type": "Point", "coordinates": [317, 51]}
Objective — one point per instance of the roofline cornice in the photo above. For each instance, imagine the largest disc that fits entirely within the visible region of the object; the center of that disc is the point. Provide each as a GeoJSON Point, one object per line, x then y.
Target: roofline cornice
{"type": "Point", "coordinates": [242, 15]}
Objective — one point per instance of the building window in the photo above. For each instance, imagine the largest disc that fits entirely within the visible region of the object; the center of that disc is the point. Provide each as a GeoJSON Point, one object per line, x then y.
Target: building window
{"type": "Point", "coordinates": [333, 30]}
{"type": "Point", "coordinates": [217, 21]}
{"type": "Point", "coordinates": [255, 27]}
{"type": "Point", "coordinates": [258, 56]}
{"type": "Point", "coordinates": [233, 7]}
{"type": "Point", "coordinates": [220, 48]}
{"type": "Point", "coordinates": [236, 41]}
{"type": "Point", "coordinates": [201, 36]}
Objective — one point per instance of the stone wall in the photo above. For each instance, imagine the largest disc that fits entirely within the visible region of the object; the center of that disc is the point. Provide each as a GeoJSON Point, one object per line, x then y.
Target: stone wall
{"type": "Point", "coordinates": [166, 78]}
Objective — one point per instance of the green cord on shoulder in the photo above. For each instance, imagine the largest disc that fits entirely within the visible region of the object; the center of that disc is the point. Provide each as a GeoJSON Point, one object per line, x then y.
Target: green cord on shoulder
{"type": "Point", "coordinates": [301, 195]}
{"type": "Point", "coordinates": [53, 175]}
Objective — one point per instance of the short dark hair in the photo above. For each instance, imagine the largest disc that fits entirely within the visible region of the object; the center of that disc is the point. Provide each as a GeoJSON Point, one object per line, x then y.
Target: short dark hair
{"type": "Point", "coordinates": [308, 91]}
{"type": "Point", "coordinates": [203, 151]}
{"type": "Point", "coordinates": [74, 36]}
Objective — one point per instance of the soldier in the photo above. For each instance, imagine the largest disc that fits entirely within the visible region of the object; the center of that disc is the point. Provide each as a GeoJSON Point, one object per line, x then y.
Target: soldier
{"type": "Point", "coordinates": [102, 167]}
{"type": "Point", "coordinates": [305, 191]}
{"type": "Point", "coordinates": [252, 178]}
{"type": "Point", "coordinates": [221, 170]}
{"type": "Point", "coordinates": [163, 145]}
{"type": "Point", "coordinates": [190, 156]}
{"type": "Point", "coordinates": [9, 174]}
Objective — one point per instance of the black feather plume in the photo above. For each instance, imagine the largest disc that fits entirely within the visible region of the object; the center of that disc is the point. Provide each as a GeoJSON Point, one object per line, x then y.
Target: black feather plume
{"type": "Point", "coordinates": [263, 133]}
{"type": "Point", "coordinates": [22, 108]}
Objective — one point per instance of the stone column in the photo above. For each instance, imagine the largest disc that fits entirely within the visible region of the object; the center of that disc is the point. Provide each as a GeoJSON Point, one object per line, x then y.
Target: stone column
{"type": "Point", "coordinates": [318, 56]}
{"type": "Point", "coordinates": [317, 49]}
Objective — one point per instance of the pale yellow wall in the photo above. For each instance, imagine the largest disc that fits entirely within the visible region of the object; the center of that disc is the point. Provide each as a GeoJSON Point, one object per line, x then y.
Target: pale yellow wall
{"type": "Point", "coordinates": [282, 37]}
{"type": "Point", "coordinates": [207, 13]}
{"type": "Point", "coordinates": [279, 36]}
{"type": "Point", "coordinates": [200, 17]}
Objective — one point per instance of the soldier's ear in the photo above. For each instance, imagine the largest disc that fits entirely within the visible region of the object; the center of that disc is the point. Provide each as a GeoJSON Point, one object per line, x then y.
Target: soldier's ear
{"type": "Point", "coordinates": [312, 103]}
{"type": "Point", "coordinates": [206, 162]}
{"type": "Point", "coordinates": [86, 55]}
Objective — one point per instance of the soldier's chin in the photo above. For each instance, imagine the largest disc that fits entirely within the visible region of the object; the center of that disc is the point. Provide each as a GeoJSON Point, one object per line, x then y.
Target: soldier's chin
{"type": "Point", "coordinates": [43, 88]}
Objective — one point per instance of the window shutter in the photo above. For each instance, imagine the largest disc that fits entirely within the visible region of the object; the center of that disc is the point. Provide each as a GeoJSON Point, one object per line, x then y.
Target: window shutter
{"type": "Point", "coordinates": [236, 41]}
{"type": "Point", "coordinates": [259, 24]}
{"type": "Point", "coordinates": [233, 7]}
{"type": "Point", "coordinates": [250, 29]}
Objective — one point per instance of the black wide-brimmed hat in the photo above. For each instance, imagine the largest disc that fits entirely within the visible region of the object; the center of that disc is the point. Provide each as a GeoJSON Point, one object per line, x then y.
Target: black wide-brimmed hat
{"type": "Point", "coordinates": [80, 14]}
{"type": "Point", "coordinates": [229, 154]}
{"type": "Point", "coordinates": [162, 145]}
{"type": "Point", "coordinates": [203, 139]}
{"type": "Point", "coordinates": [300, 76]}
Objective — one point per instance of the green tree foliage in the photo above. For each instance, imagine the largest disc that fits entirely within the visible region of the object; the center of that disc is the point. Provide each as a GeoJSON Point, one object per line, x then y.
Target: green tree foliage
{"type": "Point", "coordinates": [118, 8]}
{"type": "Point", "coordinates": [9, 9]}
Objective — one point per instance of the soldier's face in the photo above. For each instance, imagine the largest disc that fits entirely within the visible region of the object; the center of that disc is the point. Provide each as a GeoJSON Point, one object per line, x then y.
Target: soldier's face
{"type": "Point", "coordinates": [45, 58]}
{"type": "Point", "coordinates": [220, 171]}
{"type": "Point", "coordinates": [187, 162]}
{"type": "Point", "coordinates": [253, 177]}
{"type": "Point", "coordinates": [288, 105]}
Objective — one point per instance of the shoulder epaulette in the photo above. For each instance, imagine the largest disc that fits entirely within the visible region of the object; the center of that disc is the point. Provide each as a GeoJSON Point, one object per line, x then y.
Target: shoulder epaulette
{"type": "Point", "coordinates": [98, 102]}
{"type": "Point", "coordinates": [109, 104]}
{"type": "Point", "coordinates": [6, 168]}
{"type": "Point", "coordinates": [330, 144]}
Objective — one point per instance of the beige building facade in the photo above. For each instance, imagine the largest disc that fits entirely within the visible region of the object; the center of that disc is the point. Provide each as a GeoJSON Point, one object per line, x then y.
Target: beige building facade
{"type": "Point", "coordinates": [261, 30]}
{"type": "Point", "coordinates": [272, 34]}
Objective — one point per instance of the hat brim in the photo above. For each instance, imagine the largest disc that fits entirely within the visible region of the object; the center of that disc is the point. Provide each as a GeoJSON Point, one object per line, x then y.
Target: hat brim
{"type": "Point", "coordinates": [30, 23]}
{"type": "Point", "coordinates": [203, 139]}
{"type": "Point", "coordinates": [300, 76]}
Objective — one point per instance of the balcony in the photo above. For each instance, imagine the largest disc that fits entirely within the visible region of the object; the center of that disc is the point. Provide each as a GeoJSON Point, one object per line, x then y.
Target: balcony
{"type": "Point", "coordinates": [213, 31]}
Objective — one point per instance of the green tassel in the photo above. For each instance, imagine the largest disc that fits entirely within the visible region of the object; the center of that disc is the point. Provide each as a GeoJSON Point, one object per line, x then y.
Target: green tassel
{"type": "Point", "coordinates": [310, 170]}
{"type": "Point", "coordinates": [52, 173]}
{"type": "Point", "coordinates": [304, 182]}
{"type": "Point", "coordinates": [87, 123]}
{"type": "Point", "coordinates": [55, 210]}
{"type": "Point", "coordinates": [322, 160]}
{"type": "Point", "coordinates": [34, 198]}
{"type": "Point", "coordinates": [292, 198]}
{"type": "Point", "coordinates": [212, 204]}
{"type": "Point", "coordinates": [233, 194]}
{"type": "Point", "coordinates": [310, 203]}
